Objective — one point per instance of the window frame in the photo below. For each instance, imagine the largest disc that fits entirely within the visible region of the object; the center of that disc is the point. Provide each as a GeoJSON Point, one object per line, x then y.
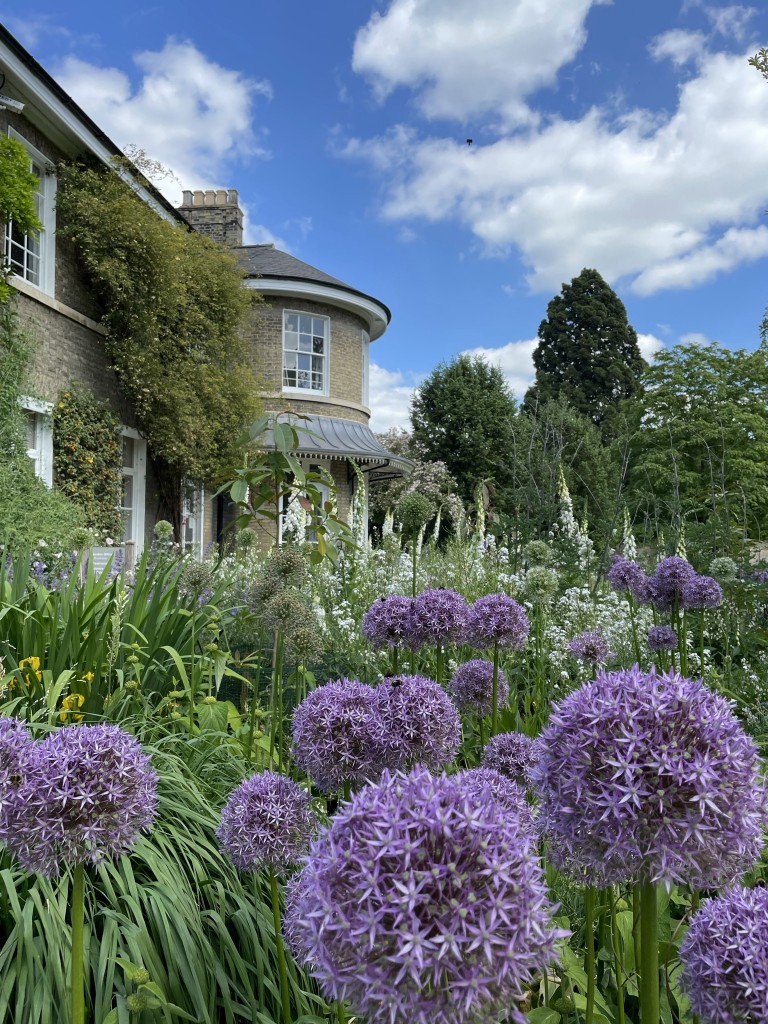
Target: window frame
{"type": "Point", "coordinates": [295, 390]}
{"type": "Point", "coordinates": [41, 455]}
{"type": "Point", "coordinates": [193, 518]}
{"type": "Point", "coordinates": [139, 474]}
{"type": "Point", "coordinates": [47, 255]}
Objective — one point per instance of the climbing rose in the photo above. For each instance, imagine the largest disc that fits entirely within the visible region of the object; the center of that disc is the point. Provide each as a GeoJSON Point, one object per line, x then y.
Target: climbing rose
{"type": "Point", "coordinates": [725, 958]}
{"type": "Point", "coordinates": [471, 688]}
{"type": "Point", "coordinates": [87, 793]}
{"type": "Point", "coordinates": [649, 777]}
{"type": "Point", "coordinates": [268, 821]}
{"type": "Point", "coordinates": [497, 618]}
{"type": "Point", "coordinates": [438, 617]}
{"type": "Point", "coordinates": [420, 723]}
{"type": "Point", "coordinates": [424, 903]}
{"type": "Point", "coordinates": [511, 753]}
{"type": "Point", "coordinates": [387, 623]}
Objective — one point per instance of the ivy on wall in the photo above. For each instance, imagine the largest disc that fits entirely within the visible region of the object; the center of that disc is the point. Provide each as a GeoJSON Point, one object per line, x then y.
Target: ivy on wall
{"type": "Point", "coordinates": [87, 459]}
{"type": "Point", "coordinates": [17, 195]}
{"type": "Point", "coordinates": [174, 310]}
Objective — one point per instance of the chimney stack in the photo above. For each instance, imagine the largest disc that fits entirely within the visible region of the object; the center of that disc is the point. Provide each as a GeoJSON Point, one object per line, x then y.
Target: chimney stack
{"type": "Point", "coordinates": [215, 213]}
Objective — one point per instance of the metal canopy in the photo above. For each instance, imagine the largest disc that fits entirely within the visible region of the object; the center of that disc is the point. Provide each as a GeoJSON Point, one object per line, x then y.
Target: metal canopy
{"type": "Point", "coordinates": [330, 437]}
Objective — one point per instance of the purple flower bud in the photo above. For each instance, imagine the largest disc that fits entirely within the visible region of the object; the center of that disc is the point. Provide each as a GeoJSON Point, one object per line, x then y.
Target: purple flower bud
{"type": "Point", "coordinates": [497, 618]}
{"type": "Point", "coordinates": [424, 902]}
{"type": "Point", "coordinates": [471, 688]}
{"type": "Point", "coordinates": [387, 623]}
{"type": "Point", "coordinates": [662, 638]}
{"type": "Point", "coordinates": [725, 958]}
{"type": "Point", "coordinates": [649, 777]}
{"type": "Point", "coordinates": [438, 617]}
{"type": "Point", "coordinates": [511, 753]}
{"type": "Point", "coordinates": [701, 592]}
{"type": "Point", "coordinates": [268, 821]}
{"type": "Point", "coordinates": [591, 647]}
{"type": "Point", "coordinates": [421, 724]}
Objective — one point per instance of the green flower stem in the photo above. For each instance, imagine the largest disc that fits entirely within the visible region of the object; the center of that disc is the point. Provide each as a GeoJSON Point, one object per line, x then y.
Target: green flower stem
{"type": "Point", "coordinates": [439, 659]}
{"type": "Point", "coordinates": [395, 661]}
{"type": "Point", "coordinates": [633, 621]}
{"type": "Point", "coordinates": [618, 967]}
{"type": "Point", "coordinates": [347, 790]}
{"type": "Point", "coordinates": [413, 558]}
{"type": "Point", "coordinates": [495, 690]}
{"type": "Point", "coordinates": [281, 963]}
{"type": "Point", "coordinates": [78, 920]}
{"type": "Point", "coordinates": [649, 954]}
{"type": "Point", "coordinates": [701, 641]}
{"type": "Point", "coordinates": [589, 950]}
{"type": "Point", "coordinates": [277, 697]}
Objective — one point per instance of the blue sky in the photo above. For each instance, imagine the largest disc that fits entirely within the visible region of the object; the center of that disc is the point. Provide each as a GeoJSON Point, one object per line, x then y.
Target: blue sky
{"type": "Point", "coordinates": [630, 137]}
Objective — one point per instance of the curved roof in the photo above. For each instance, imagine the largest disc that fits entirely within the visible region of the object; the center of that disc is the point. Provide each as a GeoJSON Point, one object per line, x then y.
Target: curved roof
{"type": "Point", "coordinates": [275, 267]}
{"type": "Point", "coordinates": [331, 437]}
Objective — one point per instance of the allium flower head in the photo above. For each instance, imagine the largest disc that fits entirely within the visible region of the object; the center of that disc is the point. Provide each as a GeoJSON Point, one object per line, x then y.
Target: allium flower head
{"type": "Point", "coordinates": [649, 777]}
{"type": "Point", "coordinates": [509, 794]}
{"type": "Point", "coordinates": [624, 575]}
{"type": "Point", "coordinates": [196, 578]}
{"type": "Point", "coordinates": [511, 753]}
{"type": "Point", "coordinates": [471, 688]}
{"type": "Point", "coordinates": [497, 618]}
{"type": "Point", "coordinates": [305, 643]}
{"type": "Point", "coordinates": [268, 821]}
{"type": "Point", "coordinates": [338, 735]}
{"type": "Point", "coordinates": [425, 904]}
{"type": "Point", "coordinates": [88, 792]}
{"type": "Point", "coordinates": [591, 647]}
{"type": "Point", "coordinates": [286, 610]}
{"type": "Point", "coordinates": [537, 552]}
{"type": "Point", "coordinates": [662, 638]}
{"type": "Point", "coordinates": [701, 592]}
{"type": "Point", "coordinates": [724, 569]}
{"type": "Point", "coordinates": [668, 581]}
{"type": "Point", "coordinates": [413, 511]}
{"type": "Point", "coordinates": [421, 725]}
{"type": "Point", "coordinates": [387, 623]}
{"type": "Point", "coordinates": [285, 568]}
{"type": "Point", "coordinates": [438, 617]}
{"type": "Point", "coordinates": [540, 584]}
{"type": "Point", "coordinates": [725, 958]}
{"type": "Point", "coordinates": [15, 743]}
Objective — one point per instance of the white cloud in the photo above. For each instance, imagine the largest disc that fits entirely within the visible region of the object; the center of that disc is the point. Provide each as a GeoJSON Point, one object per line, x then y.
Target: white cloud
{"type": "Point", "coordinates": [390, 398]}
{"type": "Point", "coordinates": [191, 114]}
{"type": "Point", "coordinates": [671, 202]}
{"type": "Point", "coordinates": [731, 21]}
{"type": "Point", "coordinates": [649, 345]}
{"type": "Point", "coordinates": [515, 360]}
{"type": "Point", "coordinates": [679, 46]}
{"type": "Point", "coordinates": [695, 338]}
{"type": "Point", "coordinates": [471, 57]}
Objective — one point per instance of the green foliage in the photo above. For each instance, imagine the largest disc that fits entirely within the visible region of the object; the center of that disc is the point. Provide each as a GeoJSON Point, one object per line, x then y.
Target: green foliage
{"type": "Point", "coordinates": [432, 479]}
{"type": "Point", "coordinates": [462, 416]}
{"type": "Point", "coordinates": [88, 457]}
{"type": "Point", "coordinates": [760, 62]}
{"type": "Point", "coordinates": [18, 186]}
{"type": "Point", "coordinates": [701, 453]}
{"type": "Point", "coordinates": [588, 352]}
{"type": "Point", "coordinates": [174, 308]}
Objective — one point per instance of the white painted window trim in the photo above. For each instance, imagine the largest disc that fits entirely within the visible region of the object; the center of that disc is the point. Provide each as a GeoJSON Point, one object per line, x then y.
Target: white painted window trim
{"type": "Point", "coordinates": [47, 283]}
{"type": "Point", "coordinates": [139, 474]}
{"type": "Point", "coordinates": [42, 455]}
{"type": "Point", "coordinates": [307, 392]}
{"type": "Point", "coordinates": [196, 513]}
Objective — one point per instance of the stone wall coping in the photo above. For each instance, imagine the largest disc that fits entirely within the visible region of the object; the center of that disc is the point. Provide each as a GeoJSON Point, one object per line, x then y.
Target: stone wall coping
{"type": "Point", "coordinates": [25, 288]}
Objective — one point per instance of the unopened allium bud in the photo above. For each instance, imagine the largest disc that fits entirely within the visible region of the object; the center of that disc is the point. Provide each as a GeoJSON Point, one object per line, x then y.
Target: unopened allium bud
{"type": "Point", "coordinates": [540, 584]}
{"type": "Point", "coordinates": [195, 578]}
{"type": "Point", "coordinates": [537, 552]}
{"type": "Point", "coordinates": [413, 511]}
{"type": "Point", "coordinates": [305, 644]}
{"type": "Point", "coordinates": [163, 530]}
{"type": "Point", "coordinates": [723, 569]}
{"type": "Point", "coordinates": [286, 611]}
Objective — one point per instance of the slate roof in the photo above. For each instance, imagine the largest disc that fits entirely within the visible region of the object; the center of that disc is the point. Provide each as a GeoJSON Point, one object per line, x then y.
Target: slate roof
{"type": "Point", "coordinates": [265, 261]}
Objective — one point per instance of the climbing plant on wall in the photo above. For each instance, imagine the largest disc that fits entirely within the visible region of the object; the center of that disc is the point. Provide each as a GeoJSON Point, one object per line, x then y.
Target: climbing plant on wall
{"type": "Point", "coordinates": [174, 307]}
{"type": "Point", "coordinates": [17, 195]}
{"type": "Point", "coordinates": [87, 449]}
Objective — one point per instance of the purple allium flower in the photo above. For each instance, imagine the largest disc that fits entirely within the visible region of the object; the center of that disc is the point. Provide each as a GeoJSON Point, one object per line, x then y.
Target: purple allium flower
{"type": "Point", "coordinates": [337, 735]}
{"type": "Point", "coordinates": [702, 592]}
{"type": "Point", "coordinates": [668, 581]}
{"type": "Point", "coordinates": [471, 688]}
{"type": "Point", "coordinates": [387, 623]}
{"type": "Point", "coordinates": [421, 724]}
{"type": "Point", "coordinates": [295, 891]}
{"type": "Point", "coordinates": [624, 575]}
{"type": "Point", "coordinates": [497, 618]}
{"type": "Point", "coordinates": [425, 904]}
{"type": "Point", "coordinates": [649, 777]}
{"type": "Point", "coordinates": [591, 647]}
{"type": "Point", "coordinates": [268, 821]}
{"type": "Point", "coordinates": [725, 958]}
{"type": "Point", "coordinates": [15, 744]}
{"type": "Point", "coordinates": [438, 617]}
{"type": "Point", "coordinates": [88, 792]}
{"type": "Point", "coordinates": [509, 794]}
{"type": "Point", "coordinates": [511, 753]}
{"type": "Point", "coordinates": [662, 638]}
{"type": "Point", "coordinates": [761, 576]}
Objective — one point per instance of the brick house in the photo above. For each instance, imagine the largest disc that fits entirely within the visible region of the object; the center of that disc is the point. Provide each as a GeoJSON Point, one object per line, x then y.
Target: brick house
{"type": "Point", "coordinates": [54, 304]}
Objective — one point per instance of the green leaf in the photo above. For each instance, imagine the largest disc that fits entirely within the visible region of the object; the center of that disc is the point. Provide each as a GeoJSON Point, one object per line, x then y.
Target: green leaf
{"type": "Point", "coordinates": [543, 1015]}
{"type": "Point", "coordinates": [130, 969]}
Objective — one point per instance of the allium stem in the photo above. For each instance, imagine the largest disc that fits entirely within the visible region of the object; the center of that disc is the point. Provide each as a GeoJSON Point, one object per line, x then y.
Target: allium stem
{"type": "Point", "coordinates": [618, 953]}
{"type": "Point", "coordinates": [77, 972]}
{"type": "Point", "coordinates": [589, 949]}
{"type": "Point", "coordinates": [633, 621]}
{"type": "Point", "coordinates": [649, 954]}
{"type": "Point", "coordinates": [395, 661]}
{"type": "Point", "coordinates": [495, 690]}
{"type": "Point", "coordinates": [440, 657]}
{"type": "Point", "coordinates": [285, 999]}
{"type": "Point", "coordinates": [277, 698]}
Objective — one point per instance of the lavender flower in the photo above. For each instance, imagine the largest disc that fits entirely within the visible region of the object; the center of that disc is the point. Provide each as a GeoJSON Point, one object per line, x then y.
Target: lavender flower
{"type": "Point", "coordinates": [424, 903]}
{"type": "Point", "coordinates": [662, 638]}
{"type": "Point", "coordinates": [668, 581]}
{"type": "Point", "coordinates": [701, 592]}
{"type": "Point", "coordinates": [508, 793]}
{"type": "Point", "coordinates": [591, 647]}
{"type": "Point", "coordinates": [725, 958]}
{"type": "Point", "coordinates": [337, 735]}
{"type": "Point", "coordinates": [268, 821]}
{"type": "Point", "coordinates": [438, 617]}
{"type": "Point", "coordinates": [420, 723]}
{"type": "Point", "coordinates": [387, 623]}
{"type": "Point", "coordinates": [624, 575]}
{"type": "Point", "coordinates": [652, 778]}
{"type": "Point", "coordinates": [511, 753]}
{"type": "Point", "coordinates": [497, 619]}
{"type": "Point", "coordinates": [88, 792]}
{"type": "Point", "coordinates": [471, 688]}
